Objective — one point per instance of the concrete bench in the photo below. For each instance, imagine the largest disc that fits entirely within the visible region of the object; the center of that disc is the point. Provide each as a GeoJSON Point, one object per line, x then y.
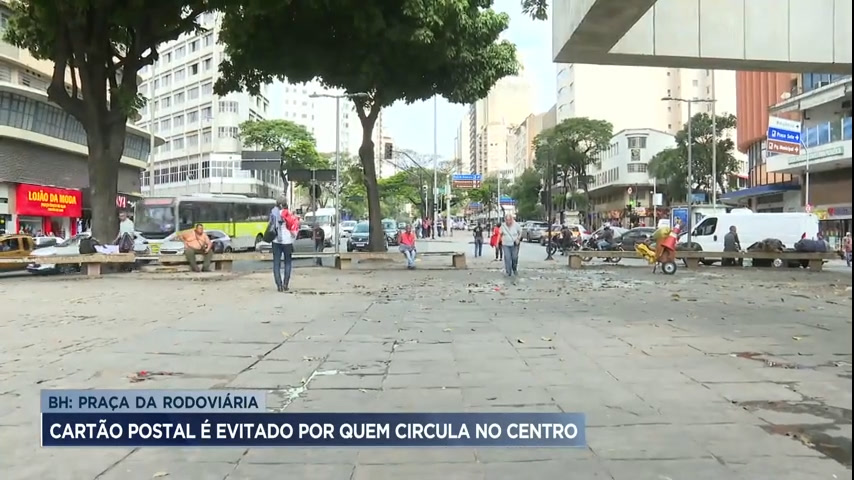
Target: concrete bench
{"type": "Point", "coordinates": [224, 261]}
{"type": "Point", "coordinates": [91, 262]}
{"type": "Point", "coordinates": [345, 260]}
{"type": "Point", "coordinates": [692, 259]}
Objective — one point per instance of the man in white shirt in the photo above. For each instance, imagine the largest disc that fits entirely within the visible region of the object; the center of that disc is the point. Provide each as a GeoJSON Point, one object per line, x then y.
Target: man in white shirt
{"type": "Point", "coordinates": [126, 227]}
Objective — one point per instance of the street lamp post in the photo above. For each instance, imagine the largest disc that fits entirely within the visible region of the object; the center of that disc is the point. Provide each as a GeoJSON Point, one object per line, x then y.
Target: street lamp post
{"type": "Point", "coordinates": [338, 157]}
{"type": "Point", "coordinates": [435, 166]}
{"type": "Point", "coordinates": [690, 195]}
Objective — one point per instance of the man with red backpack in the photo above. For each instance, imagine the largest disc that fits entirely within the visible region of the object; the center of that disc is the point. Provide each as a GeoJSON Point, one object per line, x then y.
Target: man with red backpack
{"type": "Point", "coordinates": [285, 224]}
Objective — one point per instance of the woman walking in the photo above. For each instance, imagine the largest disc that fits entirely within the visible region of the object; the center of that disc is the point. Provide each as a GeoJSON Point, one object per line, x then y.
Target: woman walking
{"type": "Point", "coordinates": [495, 242]}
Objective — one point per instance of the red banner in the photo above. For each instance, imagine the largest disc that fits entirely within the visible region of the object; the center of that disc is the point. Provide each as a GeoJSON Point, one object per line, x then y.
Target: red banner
{"type": "Point", "coordinates": [48, 201]}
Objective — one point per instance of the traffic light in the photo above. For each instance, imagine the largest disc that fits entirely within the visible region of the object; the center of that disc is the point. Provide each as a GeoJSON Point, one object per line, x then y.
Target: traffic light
{"type": "Point", "coordinates": [389, 151]}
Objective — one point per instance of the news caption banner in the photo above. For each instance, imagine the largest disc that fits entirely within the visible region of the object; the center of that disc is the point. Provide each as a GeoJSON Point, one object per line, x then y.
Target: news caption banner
{"type": "Point", "coordinates": [239, 418]}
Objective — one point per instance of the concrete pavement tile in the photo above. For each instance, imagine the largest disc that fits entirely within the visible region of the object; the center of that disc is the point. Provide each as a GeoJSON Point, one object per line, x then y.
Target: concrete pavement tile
{"type": "Point", "coordinates": [426, 380]}
{"type": "Point", "coordinates": [552, 408]}
{"type": "Point", "coordinates": [582, 397]}
{"type": "Point", "coordinates": [740, 443]}
{"type": "Point", "coordinates": [263, 380]}
{"type": "Point", "coordinates": [177, 469]}
{"type": "Point", "coordinates": [423, 399]}
{"type": "Point", "coordinates": [400, 367]}
{"type": "Point", "coordinates": [301, 367]}
{"type": "Point", "coordinates": [186, 455]}
{"type": "Point", "coordinates": [671, 351]}
{"type": "Point", "coordinates": [308, 456]}
{"type": "Point", "coordinates": [295, 351]}
{"type": "Point", "coordinates": [336, 400]}
{"type": "Point", "coordinates": [501, 395]}
{"type": "Point", "coordinates": [518, 378]}
{"type": "Point", "coordinates": [667, 393]}
{"type": "Point", "coordinates": [548, 469]}
{"type": "Point", "coordinates": [359, 368]}
{"type": "Point", "coordinates": [783, 468]}
{"type": "Point", "coordinates": [690, 469]}
{"type": "Point", "coordinates": [436, 471]}
{"type": "Point", "coordinates": [344, 381]}
{"type": "Point", "coordinates": [635, 442]}
{"type": "Point", "coordinates": [637, 414]}
{"type": "Point", "coordinates": [751, 392]}
{"type": "Point", "coordinates": [507, 455]}
{"type": "Point", "coordinates": [490, 366]}
{"type": "Point", "coordinates": [396, 456]}
{"type": "Point", "coordinates": [254, 471]}
{"type": "Point", "coordinates": [630, 374]}
{"type": "Point", "coordinates": [722, 412]}
{"type": "Point", "coordinates": [28, 462]}
{"type": "Point", "coordinates": [721, 374]}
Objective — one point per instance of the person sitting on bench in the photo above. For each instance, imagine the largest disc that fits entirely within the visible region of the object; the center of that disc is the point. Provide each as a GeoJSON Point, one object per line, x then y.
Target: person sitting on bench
{"type": "Point", "coordinates": [197, 242]}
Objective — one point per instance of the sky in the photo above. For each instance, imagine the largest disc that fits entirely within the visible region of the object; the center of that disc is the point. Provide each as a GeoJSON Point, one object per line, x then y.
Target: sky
{"type": "Point", "coordinates": [411, 126]}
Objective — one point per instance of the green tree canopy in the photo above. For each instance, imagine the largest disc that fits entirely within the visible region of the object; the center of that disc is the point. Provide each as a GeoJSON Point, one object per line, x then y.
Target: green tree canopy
{"type": "Point", "coordinates": [670, 166]}
{"type": "Point", "coordinates": [526, 191]}
{"type": "Point", "coordinates": [570, 148]}
{"type": "Point", "coordinates": [409, 50]}
{"type": "Point", "coordinates": [99, 45]}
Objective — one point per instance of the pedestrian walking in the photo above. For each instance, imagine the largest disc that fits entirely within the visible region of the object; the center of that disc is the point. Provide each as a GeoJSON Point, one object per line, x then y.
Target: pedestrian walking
{"type": "Point", "coordinates": [511, 240]}
{"type": "Point", "coordinates": [495, 242]}
{"type": "Point", "coordinates": [846, 248]}
{"type": "Point", "coordinates": [285, 226]}
{"type": "Point", "coordinates": [478, 240]}
{"type": "Point", "coordinates": [319, 237]}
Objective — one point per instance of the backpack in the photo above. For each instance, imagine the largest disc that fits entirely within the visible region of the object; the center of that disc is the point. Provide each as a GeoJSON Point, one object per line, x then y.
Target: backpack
{"type": "Point", "coordinates": [126, 243]}
{"type": "Point", "coordinates": [87, 245]}
{"type": "Point", "coordinates": [271, 233]}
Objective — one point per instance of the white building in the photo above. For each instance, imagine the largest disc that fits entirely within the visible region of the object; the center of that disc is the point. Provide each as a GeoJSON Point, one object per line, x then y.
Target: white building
{"type": "Point", "coordinates": [631, 97]}
{"type": "Point", "coordinates": [313, 106]}
{"type": "Point", "coordinates": [621, 177]}
{"type": "Point", "coordinates": [202, 149]}
{"type": "Point", "coordinates": [491, 120]}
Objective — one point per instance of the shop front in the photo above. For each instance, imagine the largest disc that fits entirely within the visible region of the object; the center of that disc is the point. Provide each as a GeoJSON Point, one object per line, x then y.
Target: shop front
{"type": "Point", "coordinates": [834, 221]}
{"type": "Point", "coordinates": [47, 210]}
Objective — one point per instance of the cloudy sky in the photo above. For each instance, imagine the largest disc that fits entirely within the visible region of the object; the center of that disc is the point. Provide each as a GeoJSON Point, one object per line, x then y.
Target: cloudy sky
{"type": "Point", "coordinates": [411, 126]}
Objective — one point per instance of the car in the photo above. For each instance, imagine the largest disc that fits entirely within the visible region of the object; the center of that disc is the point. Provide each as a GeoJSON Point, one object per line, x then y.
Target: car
{"type": "Point", "coordinates": [347, 227]}
{"type": "Point", "coordinates": [69, 247]}
{"type": "Point", "coordinates": [14, 247]}
{"type": "Point", "coordinates": [585, 234]}
{"type": "Point", "coordinates": [532, 231]}
{"type": "Point", "coordinates": [303, 243]}
{"type": "Point", "coordinates": [392, 232]}
{"type": "Point", "coordinates": [360, 238]}
{"type": "Point", "coordinates": [634, 236]}
{"type": "Point", "coordinates": [221, 243]}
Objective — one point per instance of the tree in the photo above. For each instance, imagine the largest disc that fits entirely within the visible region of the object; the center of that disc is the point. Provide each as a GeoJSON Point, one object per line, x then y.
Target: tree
{"type": "Point", "coordinates": [526, 191]}
{"type": "Point", "coordinates": [571, 147]}
{"type": "Point", "coordinates": [295, 144]}
{"type": "Point", "coordinates": [671, 165]}
{"type": "Point", "coordinates": [408, 50]}
{"type": "Point", "coordinates": [99, 46]}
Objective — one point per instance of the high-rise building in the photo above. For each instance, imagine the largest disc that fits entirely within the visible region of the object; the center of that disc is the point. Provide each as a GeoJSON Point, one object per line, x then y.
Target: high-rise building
{"type": "Point", "coordinates": [490, 121]}
{"type": "Point", "coordinates": [520, 142]}
{"type": "Point", "coordinates": [631, 97]}
{"type": "Point", "coordinates": [313, 106]}
{"type": "Point", "coordinates": [203, 149]}
{"type": "Point", "coordinates": [44, 153]}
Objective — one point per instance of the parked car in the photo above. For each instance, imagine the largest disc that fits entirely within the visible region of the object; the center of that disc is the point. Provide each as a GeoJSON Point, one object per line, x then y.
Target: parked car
{"type": "Point", "coordinates": [67, 247]}
{"type": "Point", "coordinates": [634, 236]}
{"type": "Point", "coordinates": [221, 243]}
{"type": "Point", "coordinates": [532, 231]}
{"type": "Point", "coordinates": [304, 242]}
{"type": "Point", "coordinates": [392, 232]}
{"type": "Point", "coordinates": [347, 227]}
{"type": "Point", "coordinates": [360, 238]}
{"type": "Point", "coordinates": [13, 247]}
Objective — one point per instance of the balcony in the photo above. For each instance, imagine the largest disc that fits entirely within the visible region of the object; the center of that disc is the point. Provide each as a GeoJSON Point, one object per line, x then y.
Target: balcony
{"type": "Point", "coordinates": [825, 133]}
{"type": "Point", "coordinates": [827, 146]}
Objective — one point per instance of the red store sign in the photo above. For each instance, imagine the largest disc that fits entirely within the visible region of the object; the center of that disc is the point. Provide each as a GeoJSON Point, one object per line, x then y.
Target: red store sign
{"type": "Point", "coordinates": [42, 201]}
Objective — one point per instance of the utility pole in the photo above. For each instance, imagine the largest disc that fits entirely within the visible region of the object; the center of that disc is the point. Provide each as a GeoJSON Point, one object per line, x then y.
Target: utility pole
{"type": "Point", "coordinates": [549, 203]}
{"type": "Point", "coordinates": [435, 165]}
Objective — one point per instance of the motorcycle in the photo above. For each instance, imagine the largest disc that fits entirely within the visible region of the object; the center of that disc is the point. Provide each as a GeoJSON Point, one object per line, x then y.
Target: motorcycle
{"type": "Point", "coordinates": [563, 244]}
{"type": "Point", "coordinates": [592, 245]}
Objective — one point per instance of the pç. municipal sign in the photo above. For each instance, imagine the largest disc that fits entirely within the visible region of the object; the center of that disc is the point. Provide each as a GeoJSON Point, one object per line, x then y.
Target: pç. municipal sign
{"type": "Point", "coordinates": [474, 177]}
{"type": "Point", "coordinates": [784, 136]}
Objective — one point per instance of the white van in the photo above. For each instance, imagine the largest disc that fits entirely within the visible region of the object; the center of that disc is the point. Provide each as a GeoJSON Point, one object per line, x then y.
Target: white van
{"type": "Point", "coordinates": [752, 227]}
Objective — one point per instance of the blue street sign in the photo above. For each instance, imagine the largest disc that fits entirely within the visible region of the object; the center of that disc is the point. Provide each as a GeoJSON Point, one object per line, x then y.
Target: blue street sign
{"type": "Point", "coordinates": [784, 136]}
{"type": "Point", "coordinates": [473, 177]}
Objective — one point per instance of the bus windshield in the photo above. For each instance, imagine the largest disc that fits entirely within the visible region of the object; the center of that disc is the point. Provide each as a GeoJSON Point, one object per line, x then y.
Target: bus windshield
{"type": "Point", "coordinates": [154, 221]}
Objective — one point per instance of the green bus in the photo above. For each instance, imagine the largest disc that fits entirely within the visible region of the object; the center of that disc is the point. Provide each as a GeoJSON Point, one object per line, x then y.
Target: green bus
{"type": "Point", "coordinates": [242, 218]}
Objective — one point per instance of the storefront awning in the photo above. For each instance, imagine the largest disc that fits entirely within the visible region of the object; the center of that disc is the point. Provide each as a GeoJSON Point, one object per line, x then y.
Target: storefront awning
{"type": "Point", "coordinates": [760, 191]}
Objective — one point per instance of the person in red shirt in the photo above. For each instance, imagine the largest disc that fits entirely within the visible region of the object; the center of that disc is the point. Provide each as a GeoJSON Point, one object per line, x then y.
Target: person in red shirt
{"type": "Point", "coordinates": [407, 247]}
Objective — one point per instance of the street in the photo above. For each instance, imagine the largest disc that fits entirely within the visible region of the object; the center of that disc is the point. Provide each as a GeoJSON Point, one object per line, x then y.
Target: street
{"type": "Point", "coordinates": [706, 375]}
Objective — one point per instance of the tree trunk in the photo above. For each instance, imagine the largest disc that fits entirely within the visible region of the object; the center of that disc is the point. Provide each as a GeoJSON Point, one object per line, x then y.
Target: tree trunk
{"type": "Point", "coordinates": [366, 155]}
{"type": "Point", "coordinates": [104, 159]}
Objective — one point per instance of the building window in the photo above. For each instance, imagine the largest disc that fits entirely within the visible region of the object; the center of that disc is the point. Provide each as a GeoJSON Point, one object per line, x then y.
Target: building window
{"type": "Point", "coordinates": [194, 46]}
{"type": "Point", "coordinates": [179, 98]}
{"type": "Point", "coordinates": [228, 107]}
{"type": "Point", "coordinates": [180, 75]}
{"type": "Point", "coordinates": [208, 39]}
{"type": "Point", "coordinates": [695, 82]}
{"type": "Point", "coordinates": [207, 64]}
{"type": "Point", "coordinates": [166, 102]}
{"type": "Point", "coordinates": [227, 132]}
{"type": "Point", "coordinates": [193, 93]}
{"type": "Point", "coordinates": [207, 113]}
{"type": "Point", "coordinates": [180, 52]}
{"type": "Point", "coordinates": [207, 89]}
{"type": "Point", "coordinates": [636, 142]}
{"type": "Point", "coordinates": [194, 69]}
{"type": "Point", "coordinates": [178, 121]}
{"type": "Point", "coordinates": [192, 117]}
{"type": "Point", "coordinates": [178, 143]}
{"type": "Point", "coordinates": [165, 125]}
{"type": "Point", "coordinates": [637, 168]}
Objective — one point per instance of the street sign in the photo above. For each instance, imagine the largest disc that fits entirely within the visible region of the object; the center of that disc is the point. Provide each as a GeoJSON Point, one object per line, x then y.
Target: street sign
{"type": "Point", "coordinates": [473, 177]}
{"type": "Point", "coordinates": [629, 190]}
{"type": "Point", "coordinates": [808, 208]}
{"type": "Point", "coordinates": [784, 136]}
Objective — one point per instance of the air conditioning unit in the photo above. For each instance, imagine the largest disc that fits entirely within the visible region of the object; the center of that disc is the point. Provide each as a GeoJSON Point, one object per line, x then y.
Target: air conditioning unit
{"type": "Point", "coordinates": [635, 155]}
{"type": "Point", "coordinates": [822, 84]}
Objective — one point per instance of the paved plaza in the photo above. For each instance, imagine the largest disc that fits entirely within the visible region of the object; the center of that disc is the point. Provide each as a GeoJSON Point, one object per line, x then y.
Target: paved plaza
{"type": "Point", "coordinates": [708, 375]}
